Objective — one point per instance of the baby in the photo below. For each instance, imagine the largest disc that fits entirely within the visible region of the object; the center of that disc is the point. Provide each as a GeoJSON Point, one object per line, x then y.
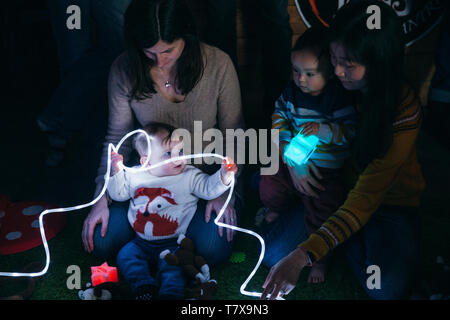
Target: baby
{"type": "Point", "coordinates": [313, 103]}
{"type": "Point", "coordinates": [163, 201]}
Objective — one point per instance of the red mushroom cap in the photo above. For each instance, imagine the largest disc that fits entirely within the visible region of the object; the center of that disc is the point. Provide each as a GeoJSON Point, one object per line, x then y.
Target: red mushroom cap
{"type": "Point", "coordinates": [19, 223]}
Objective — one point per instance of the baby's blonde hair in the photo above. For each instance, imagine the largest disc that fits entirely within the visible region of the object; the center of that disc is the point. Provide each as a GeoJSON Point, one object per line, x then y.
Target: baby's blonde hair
{"type": "Point", "coordinates": [152, 128]}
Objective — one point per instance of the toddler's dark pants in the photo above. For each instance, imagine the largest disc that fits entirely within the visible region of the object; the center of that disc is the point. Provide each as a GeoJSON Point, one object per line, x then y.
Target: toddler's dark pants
{"type": "Point", "coordinates": [278, 194]}
{"type": "Point", "coordinates": [136, 259]}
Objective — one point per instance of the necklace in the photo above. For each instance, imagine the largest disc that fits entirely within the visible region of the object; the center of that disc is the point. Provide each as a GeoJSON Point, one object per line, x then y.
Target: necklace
{"type": "Point", "coordinates": [167, 84]}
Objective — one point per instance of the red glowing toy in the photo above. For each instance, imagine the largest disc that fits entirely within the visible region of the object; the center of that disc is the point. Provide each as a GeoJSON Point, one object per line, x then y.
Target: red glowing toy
{"type": "Point", "coordinates": [103, 273]}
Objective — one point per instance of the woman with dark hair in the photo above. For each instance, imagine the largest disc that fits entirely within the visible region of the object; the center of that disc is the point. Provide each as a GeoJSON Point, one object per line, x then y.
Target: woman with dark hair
{"type": "Point", "coordinates": [145, 34]}
{"type": "Point", "coordinates": [166, 75]}
{"type": "Point", "coordinates": [378, 224]}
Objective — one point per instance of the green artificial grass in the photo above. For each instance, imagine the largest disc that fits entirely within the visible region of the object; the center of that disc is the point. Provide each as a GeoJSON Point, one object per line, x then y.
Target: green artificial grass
{"type": "Point", "coordinates": [66, 249]}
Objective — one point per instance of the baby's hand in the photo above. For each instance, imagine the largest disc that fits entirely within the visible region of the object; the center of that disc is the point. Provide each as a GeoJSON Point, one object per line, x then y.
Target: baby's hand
{"type": "Point", "coordinates": [116, 159]}
{"type": "Point", "coordinates": [227, 171]}
{"type": "Point", "coordinates": [309, 128]}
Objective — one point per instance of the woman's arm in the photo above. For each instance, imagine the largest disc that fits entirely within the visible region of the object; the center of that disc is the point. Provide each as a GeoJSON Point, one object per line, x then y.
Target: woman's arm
{"type": "Point", "coordinates": [229, 116]}
{"type": "Point", "coordinates": [229, 113]}
{"type": "Point", "coordinates": [229, 103]}
{"type": "Point", "coordinates": [120, 120]}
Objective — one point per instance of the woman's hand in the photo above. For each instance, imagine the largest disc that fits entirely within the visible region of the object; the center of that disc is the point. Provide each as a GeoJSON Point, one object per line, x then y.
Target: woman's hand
{"type": "Point", "coordinates": [305, 176]}
{"type": "Point", "coordinates": [228, 217]}
{"type": "Point", "coordinates": [283, 276]}
{"type": "Point", "coordinates": [99, 214]}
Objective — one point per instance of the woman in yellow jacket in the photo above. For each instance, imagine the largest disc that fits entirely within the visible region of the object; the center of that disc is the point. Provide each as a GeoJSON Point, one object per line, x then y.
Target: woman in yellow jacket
{"type": "Point", "coordinates": [378, 224]}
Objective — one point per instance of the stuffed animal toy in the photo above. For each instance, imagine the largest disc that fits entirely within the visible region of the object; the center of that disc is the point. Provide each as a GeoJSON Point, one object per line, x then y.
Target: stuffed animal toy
{"type": "Point", "coordinates": [202, 291]}
{"type": "Point", "coordinates": [104, 291]}
{"type": "Point", "coordinates": [200, 287]}
{"type": "Point", "coordinates": [195, 266]}
{"type": "Point", "coordinates": [94, 293]}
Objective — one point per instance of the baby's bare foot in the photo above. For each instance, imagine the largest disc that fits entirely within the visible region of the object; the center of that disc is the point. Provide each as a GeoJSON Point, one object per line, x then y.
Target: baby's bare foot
{"type": "Point", "coordinates": [271, 216]}
{"type": "Point", "coordinates": [317, 274]}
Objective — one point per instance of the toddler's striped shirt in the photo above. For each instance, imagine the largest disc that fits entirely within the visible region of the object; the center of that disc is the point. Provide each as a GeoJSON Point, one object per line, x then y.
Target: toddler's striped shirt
{"type": "Point", "coordinates": [334, 111]}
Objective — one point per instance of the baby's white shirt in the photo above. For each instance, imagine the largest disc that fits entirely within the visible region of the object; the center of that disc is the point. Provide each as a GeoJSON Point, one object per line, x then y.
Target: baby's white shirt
{"type": "Point", "coordinates": [162, 207]}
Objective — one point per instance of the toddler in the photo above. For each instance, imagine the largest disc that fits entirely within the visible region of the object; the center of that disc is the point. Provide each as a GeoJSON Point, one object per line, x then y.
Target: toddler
{"type": "Point", "coordinates": [313, 103]}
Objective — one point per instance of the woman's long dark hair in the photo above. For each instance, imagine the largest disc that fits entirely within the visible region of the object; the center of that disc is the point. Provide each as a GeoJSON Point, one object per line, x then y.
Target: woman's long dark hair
{"type": "Point", "coordinates": [148, 21]}
{"type": "Point", "coordinates": [381, 51]}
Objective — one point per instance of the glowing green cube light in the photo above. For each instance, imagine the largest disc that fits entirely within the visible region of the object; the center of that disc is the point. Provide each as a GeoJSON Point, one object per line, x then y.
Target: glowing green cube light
{"type": "Point", "coordinates": [300, 149]}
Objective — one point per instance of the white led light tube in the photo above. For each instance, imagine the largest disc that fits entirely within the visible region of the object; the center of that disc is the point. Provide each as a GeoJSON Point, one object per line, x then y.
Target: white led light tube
{"type": "Point", "coordinates": [111, 147]}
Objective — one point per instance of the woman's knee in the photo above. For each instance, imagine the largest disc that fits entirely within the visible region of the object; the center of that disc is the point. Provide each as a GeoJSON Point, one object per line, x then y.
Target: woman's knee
{"type": "Point", "coordinates": [208, 243]}
{"type": "Point", "coordinates": [102, 248]}
{"type": "Point", "coordinates": [390, 287]}
{"type": "Point", "coordinates": [123, 256]}
{"type": "Point", "coordinates": [216, 252]}
{"type": "Point", "coordinates": [275, 251]}
{"type": "Point", "coordinates": [383, 278]}
{"type": "Point", "coordinates": [283, 235]}
{"type": "Point", "coordinates": [269, 260]}
{"type": "Point", "coordinates": [118, 234]}
{"type": "Point", "coordinates": [213, 248]}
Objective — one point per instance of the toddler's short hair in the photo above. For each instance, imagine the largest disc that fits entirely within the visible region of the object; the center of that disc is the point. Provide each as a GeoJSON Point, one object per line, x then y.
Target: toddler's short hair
{"type": "Point", "coordinates": [315, 40]}
{"type": "Point", "coordinates": [152, 128]}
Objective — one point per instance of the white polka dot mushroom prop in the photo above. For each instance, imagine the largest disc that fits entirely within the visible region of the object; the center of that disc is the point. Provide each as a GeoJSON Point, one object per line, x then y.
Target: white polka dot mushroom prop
{"type": "Point", "coordinates": [19, 225]}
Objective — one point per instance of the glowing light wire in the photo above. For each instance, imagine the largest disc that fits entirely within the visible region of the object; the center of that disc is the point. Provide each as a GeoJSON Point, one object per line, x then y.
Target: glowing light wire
{"type": "Point", "coordinates": [144, 166]}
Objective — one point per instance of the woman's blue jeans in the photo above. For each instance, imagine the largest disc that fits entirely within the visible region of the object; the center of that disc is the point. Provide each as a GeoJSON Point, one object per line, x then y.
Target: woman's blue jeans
{"type": "Point", "coordinates": [390, 240]}
{"type": "Point", "coordinates": [209, 244]}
